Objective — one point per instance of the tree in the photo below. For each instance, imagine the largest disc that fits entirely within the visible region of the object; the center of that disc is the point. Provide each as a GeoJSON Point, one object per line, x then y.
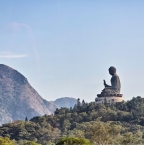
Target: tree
{"type": "Point", "coordinates": [103, 133]}
{"type": "Point", "coordinates": [78, 102]}
{"type": "Point", "coordinates": [31, 143]}
{"type": "Point", "coordinates": [76, 133]}
{"type": "Point", "coordinates": [66, 125]}
{"type": "Point", "coordinates": [83, 102]}
{"type": "Point", "coordinates": [73, 141]}
{"type": "Point", "coordinates": [5, 141]}
{"type": "Point", "coordinates": [130, 138]}
{"type": "Point", "coordinates": [26, 119]}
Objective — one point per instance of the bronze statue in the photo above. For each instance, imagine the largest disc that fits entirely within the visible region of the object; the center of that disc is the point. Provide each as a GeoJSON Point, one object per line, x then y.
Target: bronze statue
{"type": "Point", "coordinates": [114, 89]}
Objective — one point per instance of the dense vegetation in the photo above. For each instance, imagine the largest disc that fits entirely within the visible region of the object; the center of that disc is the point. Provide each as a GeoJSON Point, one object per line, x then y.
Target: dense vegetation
{"type": "Point", "coordinates": [120, 123]}
{"type": "Point", "coordinates": [73, 141]}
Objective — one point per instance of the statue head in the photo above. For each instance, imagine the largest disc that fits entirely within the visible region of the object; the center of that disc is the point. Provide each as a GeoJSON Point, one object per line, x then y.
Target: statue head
{"type": "Point", "coordinates": [112, 70]}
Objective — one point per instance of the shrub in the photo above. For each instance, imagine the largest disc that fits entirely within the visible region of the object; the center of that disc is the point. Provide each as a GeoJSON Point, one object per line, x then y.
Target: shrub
{"type": "Point", "coordinates": [73, 141]}
{"type": "Point", "coordinates": [5, 140]}
{"type": "Point", "coordinates": [31, 143]}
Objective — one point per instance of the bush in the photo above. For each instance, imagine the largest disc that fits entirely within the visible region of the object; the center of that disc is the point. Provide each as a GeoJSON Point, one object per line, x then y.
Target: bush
{"type": "Point", "coordinates": [31, 143]}
{"type": "Point", "coordinates": [5, 141]}
{"type": "Point", "coordinates": [73, 141]}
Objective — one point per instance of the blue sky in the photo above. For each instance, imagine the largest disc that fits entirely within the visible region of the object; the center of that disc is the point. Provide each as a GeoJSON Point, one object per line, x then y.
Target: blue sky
{"type": "Point", "coordinates": [65, 47]}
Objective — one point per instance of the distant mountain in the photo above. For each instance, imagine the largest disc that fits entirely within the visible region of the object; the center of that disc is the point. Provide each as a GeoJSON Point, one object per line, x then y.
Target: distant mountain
{"type": "Point", "coordinates": [18, 98]}
{"type": "Point", "coordinates": [65, 102]}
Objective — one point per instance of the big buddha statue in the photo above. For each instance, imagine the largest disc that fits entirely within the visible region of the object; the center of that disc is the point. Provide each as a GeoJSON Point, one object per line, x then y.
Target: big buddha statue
{"type": "Point", "coordinates": [114, 88]}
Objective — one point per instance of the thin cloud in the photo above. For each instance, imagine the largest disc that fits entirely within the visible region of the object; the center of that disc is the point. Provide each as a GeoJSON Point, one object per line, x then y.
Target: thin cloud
{"type": "Point", "coordinates": [19, 26]}
{"type": "Point", "coordinates": [10, 55]}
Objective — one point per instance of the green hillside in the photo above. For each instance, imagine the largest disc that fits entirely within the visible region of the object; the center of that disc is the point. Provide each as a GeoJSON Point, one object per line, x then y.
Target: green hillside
{"type": "Point", "coordinates": [120, 123]}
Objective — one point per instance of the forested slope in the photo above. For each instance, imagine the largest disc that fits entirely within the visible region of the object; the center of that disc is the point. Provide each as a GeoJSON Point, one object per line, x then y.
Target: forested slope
{"type": "Point", "coordinates": [119, 123]}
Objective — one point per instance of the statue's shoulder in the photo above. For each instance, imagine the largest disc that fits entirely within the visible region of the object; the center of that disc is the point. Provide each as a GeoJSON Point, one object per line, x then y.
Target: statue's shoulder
{"type": "Point", "coordinates": [116, 76]}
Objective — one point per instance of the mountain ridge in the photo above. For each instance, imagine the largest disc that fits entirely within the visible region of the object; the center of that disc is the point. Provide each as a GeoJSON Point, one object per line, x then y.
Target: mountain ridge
{"type": "Point", "coordinates": [65, 102]}
{"type": "Point", "coordinates": [18, 98]}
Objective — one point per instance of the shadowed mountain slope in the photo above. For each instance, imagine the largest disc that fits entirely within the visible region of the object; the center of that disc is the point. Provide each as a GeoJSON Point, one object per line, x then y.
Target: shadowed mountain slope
{"type": "Point", "coordinates": [18, 98]}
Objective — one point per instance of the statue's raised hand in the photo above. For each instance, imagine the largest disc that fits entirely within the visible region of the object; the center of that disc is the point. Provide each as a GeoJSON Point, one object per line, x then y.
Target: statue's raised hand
{"type": "Point", "coordinates": [104, 82]}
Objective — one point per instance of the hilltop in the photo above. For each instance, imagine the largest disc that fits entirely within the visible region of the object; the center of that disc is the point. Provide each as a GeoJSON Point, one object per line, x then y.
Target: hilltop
{"type": "Point", "coordinates": [18, 98]}
{"type": "Point", "coordinates": [119, 123]}
{"type": "Point", "coordinates": [65, 102]}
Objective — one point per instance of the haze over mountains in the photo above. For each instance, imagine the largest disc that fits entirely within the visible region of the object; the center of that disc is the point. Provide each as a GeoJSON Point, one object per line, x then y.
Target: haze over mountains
{"type": "Point", "coordinates": [65, 102]}
{"type": "Point", "coordinates": [18, 98]}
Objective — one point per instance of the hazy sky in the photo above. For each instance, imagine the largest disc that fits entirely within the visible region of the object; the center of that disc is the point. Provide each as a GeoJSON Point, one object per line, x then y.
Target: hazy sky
{"type": "Point", "coordinates": [65, 47]}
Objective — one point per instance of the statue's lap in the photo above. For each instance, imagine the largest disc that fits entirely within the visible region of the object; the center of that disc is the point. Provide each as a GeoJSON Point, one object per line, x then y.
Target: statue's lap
{"type": "Point", "coordinates": [107, 92]}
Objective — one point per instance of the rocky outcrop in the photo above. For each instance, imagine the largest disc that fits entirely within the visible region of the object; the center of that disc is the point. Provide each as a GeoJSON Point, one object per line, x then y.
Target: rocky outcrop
{"type": "Point", "coordinates": [18, 98]}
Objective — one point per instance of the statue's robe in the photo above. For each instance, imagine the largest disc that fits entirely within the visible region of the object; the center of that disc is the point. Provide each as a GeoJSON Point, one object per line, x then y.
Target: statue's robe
{"type": "Point", "coordinates": [115, 86]}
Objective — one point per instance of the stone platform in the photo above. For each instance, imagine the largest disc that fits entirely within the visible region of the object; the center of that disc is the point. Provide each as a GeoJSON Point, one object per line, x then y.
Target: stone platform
{"type": "Point", "coordinates": [109, 99]}
{"type": "Point", "coordinates": [109, 95]}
